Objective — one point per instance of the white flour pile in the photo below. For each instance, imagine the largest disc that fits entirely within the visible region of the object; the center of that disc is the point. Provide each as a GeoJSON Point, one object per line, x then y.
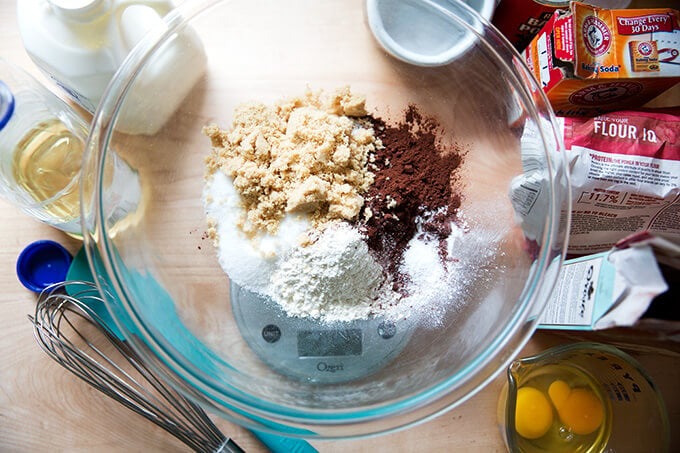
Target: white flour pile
{"type": "Point", "coordinates": [334, 277]}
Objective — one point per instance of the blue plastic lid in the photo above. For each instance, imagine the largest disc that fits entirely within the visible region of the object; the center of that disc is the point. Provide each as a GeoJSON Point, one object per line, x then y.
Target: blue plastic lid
{"type": "Point", "coordinates": [43, 263]}
{"type": "Point", "coordinates": [6, 104]}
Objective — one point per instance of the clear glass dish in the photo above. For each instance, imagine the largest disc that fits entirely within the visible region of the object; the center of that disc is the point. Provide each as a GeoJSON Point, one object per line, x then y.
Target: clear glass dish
{"type": "Point", "coordinates": [161, 275]}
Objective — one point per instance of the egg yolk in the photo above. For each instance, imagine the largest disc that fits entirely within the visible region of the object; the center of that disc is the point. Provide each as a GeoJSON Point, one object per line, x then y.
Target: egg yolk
{"type": "Point", "coordinates": [559, 392]}
{"type": "Point", "coordinates": [533, 413]}
{"type": "Point", "coordinates": [582, 411]}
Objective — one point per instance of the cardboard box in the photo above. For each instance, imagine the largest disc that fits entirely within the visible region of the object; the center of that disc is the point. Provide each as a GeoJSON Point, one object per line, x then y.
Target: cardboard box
{"type": "Point", "coordinates": [591, 61]}
{"type": "Point", "coordinates": [616, 288]}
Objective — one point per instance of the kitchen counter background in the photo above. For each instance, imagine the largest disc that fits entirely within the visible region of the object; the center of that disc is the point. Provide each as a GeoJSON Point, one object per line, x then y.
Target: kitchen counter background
{"type": "Point", "coordinates": [45, 408]}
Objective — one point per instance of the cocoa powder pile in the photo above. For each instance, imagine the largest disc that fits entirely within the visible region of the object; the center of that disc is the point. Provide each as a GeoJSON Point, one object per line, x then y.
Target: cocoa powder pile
{"type": "Point", "coordinates": [413, 185]}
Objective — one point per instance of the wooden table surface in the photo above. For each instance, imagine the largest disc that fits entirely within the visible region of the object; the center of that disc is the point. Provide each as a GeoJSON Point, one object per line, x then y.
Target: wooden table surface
{"type": "Point", "coordinates": [43, 407]}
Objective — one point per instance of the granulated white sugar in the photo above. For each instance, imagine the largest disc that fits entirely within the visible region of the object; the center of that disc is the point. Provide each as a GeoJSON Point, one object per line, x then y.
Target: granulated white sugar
{"type": "Point", "coordinates": [249, 263]}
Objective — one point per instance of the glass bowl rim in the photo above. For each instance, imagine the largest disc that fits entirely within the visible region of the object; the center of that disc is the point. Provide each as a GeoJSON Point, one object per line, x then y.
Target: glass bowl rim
{"type": "Point", "coordinates": [232, 404]}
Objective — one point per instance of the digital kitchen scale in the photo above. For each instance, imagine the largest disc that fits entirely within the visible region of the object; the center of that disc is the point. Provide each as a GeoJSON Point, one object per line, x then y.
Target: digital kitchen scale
{"type": "Point", "coordinates": [310, 350]}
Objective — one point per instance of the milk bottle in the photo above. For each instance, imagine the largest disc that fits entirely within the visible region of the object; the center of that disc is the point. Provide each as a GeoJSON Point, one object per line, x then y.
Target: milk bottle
{"type": "Point", "coordinates": [80, 44]}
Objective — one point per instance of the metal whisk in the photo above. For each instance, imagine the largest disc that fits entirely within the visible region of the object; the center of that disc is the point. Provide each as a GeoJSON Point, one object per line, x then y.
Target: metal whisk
{"type": "Point", "coordinates": [60, 322]}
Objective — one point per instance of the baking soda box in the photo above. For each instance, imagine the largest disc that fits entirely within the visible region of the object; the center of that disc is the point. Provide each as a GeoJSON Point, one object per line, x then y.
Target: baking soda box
{"type": "Point", "coordinates": [591, 60]}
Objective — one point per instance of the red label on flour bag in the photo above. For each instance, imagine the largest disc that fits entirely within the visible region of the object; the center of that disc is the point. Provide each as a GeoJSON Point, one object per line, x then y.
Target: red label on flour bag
{"type": "Point", "coordinates": [625, 175]}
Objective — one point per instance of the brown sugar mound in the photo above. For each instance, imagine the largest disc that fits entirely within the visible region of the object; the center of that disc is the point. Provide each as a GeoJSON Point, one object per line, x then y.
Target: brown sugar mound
{"type": "Point", "coordinates": [307, 154]}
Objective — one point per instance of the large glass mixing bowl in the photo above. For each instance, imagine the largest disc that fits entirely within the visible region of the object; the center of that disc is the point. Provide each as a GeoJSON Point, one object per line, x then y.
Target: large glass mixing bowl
{"type": "Point", "coordinates": [145, 234]}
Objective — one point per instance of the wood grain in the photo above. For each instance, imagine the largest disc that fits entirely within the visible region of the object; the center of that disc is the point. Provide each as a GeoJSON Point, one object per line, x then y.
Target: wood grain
{"type": "Point", "coordinates": [43, 407]}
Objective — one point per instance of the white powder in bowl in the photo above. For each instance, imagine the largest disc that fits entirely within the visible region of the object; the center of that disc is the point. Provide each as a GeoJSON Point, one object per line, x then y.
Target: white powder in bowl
{"type": "Point", "coordinates": [250, 264]}
{"type": "Point", "coordinates": [335, 278]}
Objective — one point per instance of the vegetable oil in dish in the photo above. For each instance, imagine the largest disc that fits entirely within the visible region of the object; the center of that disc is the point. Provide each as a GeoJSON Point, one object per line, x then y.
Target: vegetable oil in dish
{"type": "Point", "coordinates": [46, 164]}
{"type": "Point", "coordinates": [561, 409]}
{"type": "Point", "coordinates": [42, 142]}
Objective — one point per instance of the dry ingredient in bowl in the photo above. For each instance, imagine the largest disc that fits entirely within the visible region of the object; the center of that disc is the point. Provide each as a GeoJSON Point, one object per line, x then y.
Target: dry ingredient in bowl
{"type": "Point", "coordinates": [333, 213]}
{"type": "Point", "coordinates": [307, 154]}
{"type": "Point", "coordinates": [334, 276]}
{"type": "Point", "coordinates": [413, 191]}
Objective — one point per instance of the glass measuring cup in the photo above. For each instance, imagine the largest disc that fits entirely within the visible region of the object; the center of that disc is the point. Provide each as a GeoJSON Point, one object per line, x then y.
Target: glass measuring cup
{"type": "Point", "coordinates": [582, 397]}
{"type": "Point", "coordinates": [41, 147]}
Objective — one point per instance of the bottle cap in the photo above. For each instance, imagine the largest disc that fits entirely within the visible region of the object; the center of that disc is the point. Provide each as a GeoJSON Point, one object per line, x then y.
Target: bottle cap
{"type": "Point", "coordinates": [79, 10]}
{"type": "Point", "coordinates": [6, 104]}
{"type": "Point", "coordinates": [43, 263]}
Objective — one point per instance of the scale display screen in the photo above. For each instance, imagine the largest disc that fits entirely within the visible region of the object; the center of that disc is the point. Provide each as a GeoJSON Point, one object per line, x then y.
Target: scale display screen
{"type": "Point", "coordinates": [312, 350]}
{"type": "Point", "coordinates": [329, 343]}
